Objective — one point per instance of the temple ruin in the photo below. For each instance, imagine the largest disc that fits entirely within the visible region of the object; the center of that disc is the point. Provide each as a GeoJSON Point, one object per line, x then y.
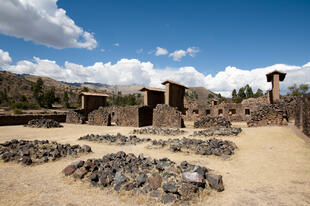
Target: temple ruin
{"type": "Point", "coordinates": [275, 77]}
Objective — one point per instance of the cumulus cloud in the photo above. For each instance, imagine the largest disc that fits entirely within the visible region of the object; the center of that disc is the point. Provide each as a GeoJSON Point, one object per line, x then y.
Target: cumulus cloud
{"type": "Point", "coordinates": [192, 51]}
{"type": "Point", "coordinates": [42, 22]}
{"type": "Point", "coordinates": [160, 51]}
{"type": "Point", "coordinates": [178, 55]}
{"type": "Point", "coordinates": [5, 58]}
{"type": "Point", "coordinates": [133, 71]}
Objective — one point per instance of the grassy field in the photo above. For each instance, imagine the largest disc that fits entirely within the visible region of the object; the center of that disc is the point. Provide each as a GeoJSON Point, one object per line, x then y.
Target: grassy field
{"type": "Point", "coordinates": [270, 167]}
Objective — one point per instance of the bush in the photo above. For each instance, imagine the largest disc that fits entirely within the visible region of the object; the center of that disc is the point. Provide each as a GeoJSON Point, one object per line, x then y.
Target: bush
{"type": "Point", "coordinates": [17, 111]}
{"type": "Point", "coordinates": [23, 105]}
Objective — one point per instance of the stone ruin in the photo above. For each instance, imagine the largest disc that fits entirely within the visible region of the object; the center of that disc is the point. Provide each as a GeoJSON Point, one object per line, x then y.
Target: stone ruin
{"type": "Point", "coordinates": [212, 122]}
{"type": "Point", "coordinates": [203, 147]}
{"type": "Point", "coordinates": [75, 117]}
{"type": "Point", "coordinates": [271, 114]}
{"type": "Point", "coordinates": [43, 123]}
{"type": "Point", "coordinates": [218, 132]}
{"type": "Point", "coordinates": [162, 180]}
{"type": "Point", "coordinates": [100, 117]}
{"type": "Point", "coordinates": [115, 139]}
{"type": "Point", "coordinates": [158, 131]}
{"type": "Point", "coordinates": [38, 151]}
{"type": "Point", "coordinates": [302, 114]}
{"type": "Point", "coordinates": [167, 116]}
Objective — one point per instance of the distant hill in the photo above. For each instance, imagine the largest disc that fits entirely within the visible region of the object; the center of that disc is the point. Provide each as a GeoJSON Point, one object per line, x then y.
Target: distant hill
{"type": "Point", "coordinates": [203, 94]}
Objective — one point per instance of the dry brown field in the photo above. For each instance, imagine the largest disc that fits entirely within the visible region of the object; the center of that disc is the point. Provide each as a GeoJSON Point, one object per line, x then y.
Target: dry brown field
{"type": "Point", "coordinates": [270, 167]}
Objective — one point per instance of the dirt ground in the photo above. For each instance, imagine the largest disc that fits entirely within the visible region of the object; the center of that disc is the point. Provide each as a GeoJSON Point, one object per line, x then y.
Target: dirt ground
{"type": "Point", "coordinates": [270, 167]}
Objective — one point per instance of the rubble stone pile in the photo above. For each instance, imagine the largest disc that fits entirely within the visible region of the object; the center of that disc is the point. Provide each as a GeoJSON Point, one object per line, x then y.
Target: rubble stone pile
{"type": "Point", "coordinates": [271, 114]}
{"type": "Point", "coordinates": [38, 151]}
{"type": "Point", "coordinates": [158, 131]}
{"type": "Point", "coordinates": [203, 147]}
{"type": "Point", "coordinates": [167, 116]}
{"type": "Point", "coordinates": [161, 179]}
{"type": "Point", "coordinates": [232, 131]}
{"type": "Point", "coordinates": [75, 118]}
{"type": "Point", "coordinates": [100, 117]}
{"type": "Point", "coordinates": [43, 123]}
{"type": "Point", "coordinates": [212, 122]}
{"type": "Point", "coordinates": [114, 139]}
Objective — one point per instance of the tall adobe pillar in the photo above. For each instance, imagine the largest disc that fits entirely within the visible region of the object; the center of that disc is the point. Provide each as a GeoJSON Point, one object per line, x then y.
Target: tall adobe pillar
{"type": "Point", "coordinates": [275, 77]}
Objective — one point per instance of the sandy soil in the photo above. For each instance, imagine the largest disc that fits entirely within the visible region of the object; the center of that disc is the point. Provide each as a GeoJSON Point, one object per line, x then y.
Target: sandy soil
{"type": "Point", "coordinates": [271, 167]}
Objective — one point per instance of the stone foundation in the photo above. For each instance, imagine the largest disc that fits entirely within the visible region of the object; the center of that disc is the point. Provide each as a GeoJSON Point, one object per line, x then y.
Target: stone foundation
{"type": "Point", "coordinates": [212, 122]}
{"type": "Point", "coordinates": [167, 116]}
{"type": "Point", "coordinates": [25, 118]}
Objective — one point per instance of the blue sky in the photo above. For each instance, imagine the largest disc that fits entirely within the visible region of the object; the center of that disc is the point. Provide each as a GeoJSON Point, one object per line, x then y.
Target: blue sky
{"type": "Point", "coordinates": [241, 34]}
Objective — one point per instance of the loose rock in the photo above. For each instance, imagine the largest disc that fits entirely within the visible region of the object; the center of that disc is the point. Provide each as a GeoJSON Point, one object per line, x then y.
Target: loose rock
{"type": "Point", "coordinates": [114, 139]}
{"type": "Point", "coordinates": [43, 123]}
{"type": "Point", "coordinates": [159, 131]}
{"type": "Point", "coordinates": [218, 132]}
{"type": "Point", "coordinates": [161, 179]}
{"type": "Point", "coordinates": [38, 151]}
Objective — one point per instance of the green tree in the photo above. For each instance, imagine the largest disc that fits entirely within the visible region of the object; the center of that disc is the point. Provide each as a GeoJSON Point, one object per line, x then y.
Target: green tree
{"type": "Point", "coordinates": [258, 93]}
{"type": "Point", "coordinates": [49, 98]}
{"type": "Point", "coordinates": [303, 88]}
{"type": "Point", "coordinates": [241, 93]}
{"type": "Point", "coordinates": [85, 89]}
{"type": "Point", "coordinates": [66, 99]}
{"type": "Point", "coordinates": [248, 91]}
{"type": "Point", "coordinates": [37, 91]}
{"type": "Point", "coordinates": [297, 91]}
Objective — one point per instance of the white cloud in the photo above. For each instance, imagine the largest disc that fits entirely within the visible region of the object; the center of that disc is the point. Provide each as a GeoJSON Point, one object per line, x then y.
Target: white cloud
{"type": "Point", "coordinates": [177, 55]}
{"type": "Point", "coordinates": [44, 23]}
{"type": "Point", "coordinates": [133, 71]}
{"type": "Point", "coordinates": [116, 44]}
{"type": "Point", "coordinates": [192, 51]}
{"type": "Point", "coordinates": [5, 58]}
{"type": "Point", "coordinates": [139, 51]}
{"type": "Point", "coordinates": [160, 51]}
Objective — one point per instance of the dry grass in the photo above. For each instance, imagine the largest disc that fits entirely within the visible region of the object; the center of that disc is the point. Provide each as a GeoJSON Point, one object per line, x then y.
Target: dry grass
{"type": "Point", "coordinates": [271, 167]}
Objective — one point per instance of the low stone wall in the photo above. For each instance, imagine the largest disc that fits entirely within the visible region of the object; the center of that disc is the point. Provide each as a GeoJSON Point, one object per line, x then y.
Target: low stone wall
{"type": "Point", "coordinates": [212, 122]}
{"type": "Point", "coordinates": [100, 117]}
{"type": "Point", "coordinates": [75, 117]}
{"type": "Point", "coordinates": [25, 118]}
{"type": "Point", "coordinates": [167, 116]}
{"type": "Point", "coordinates": [302, 114]}
{"type": "Point", "coordinates": [271, 114]}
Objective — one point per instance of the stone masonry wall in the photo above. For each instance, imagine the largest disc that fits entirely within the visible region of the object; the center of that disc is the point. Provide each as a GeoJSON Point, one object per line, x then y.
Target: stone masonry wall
{"type": "Point", "coordinates": [100, 117]}
{"type": "Point", "coordinates": [302, 114]}
{"type": "Point", "coordinates": [167, 116]}
{"type": "Point", "coordinates": [75, 117]}
{"type": "Point", "coordinates": [271, 114]}
{"type": "Point", "coordinates": [25, 118]}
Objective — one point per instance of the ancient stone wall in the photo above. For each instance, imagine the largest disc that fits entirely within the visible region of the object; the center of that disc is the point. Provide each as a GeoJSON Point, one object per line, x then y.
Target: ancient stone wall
{"type": "Point", "coordinates": [167, 116]}
{"type": "Point", "coordinates": [306, 114]}
{"type": "Point", "coordinates": [212, 122]}
{"type": "Point", "coordinates": [302, 114]}
{"type": "Point", "coordinates": [100, 117]}
{"type": "Point", "coordinates": [75, 117]}
{"type": "Point", "coordinates": [25, 118]}
{"type": "Point", "coordinates": [271, 114]}
{"type": "Point", "coordinates": [145, 116]}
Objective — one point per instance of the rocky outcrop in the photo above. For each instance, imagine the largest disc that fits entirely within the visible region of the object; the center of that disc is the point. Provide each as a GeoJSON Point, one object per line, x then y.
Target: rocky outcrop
{"type": "Point", "coordinates": [43, 123]}
{"type": "Point", "coordinates": [218, 132]}
{"type": "Point", "coordinates": [203, 147]}
{"type": "Point", "coordinates": [212, 122]}
{"type": "Point", "coordinates": [271, 114]}
{"type": "Point", "coordinates": [114, 139]}
{"type": "Point", "coordinates": [38, 151]}
{"type": "Point", "coordinates": [158, 131]}
{"type": "Point", "coordinates": [162, 179]}
{"type": "Point", "coordinates": [167, 117]}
